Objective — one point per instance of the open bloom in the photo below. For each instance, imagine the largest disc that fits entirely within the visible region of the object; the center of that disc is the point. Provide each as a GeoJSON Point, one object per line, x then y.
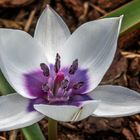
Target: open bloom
{"type": "Point", "coordinates": [56, 74]}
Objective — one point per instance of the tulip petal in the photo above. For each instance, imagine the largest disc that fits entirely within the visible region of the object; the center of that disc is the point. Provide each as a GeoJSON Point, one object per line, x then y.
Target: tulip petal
{"type": "Point", "coordinates": [68, 113]}
{"type": "Point", "coordinates": [19, 54]}
{"type": "Point", "coordinates": [51, 32]}
{"type": "Point", "coordinates": [116, 101]}
{"type": "Point", "coordinates": [94, 45]}
{"type": "Point", "coordinates": [14, 113]}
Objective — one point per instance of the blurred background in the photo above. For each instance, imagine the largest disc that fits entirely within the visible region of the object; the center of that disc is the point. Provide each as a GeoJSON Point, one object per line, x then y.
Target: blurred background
{"type": "Point", "coordinates": [125, 70]}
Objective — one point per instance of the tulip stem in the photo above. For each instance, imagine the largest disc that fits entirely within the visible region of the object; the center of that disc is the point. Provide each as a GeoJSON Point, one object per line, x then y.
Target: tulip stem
{"type": "Point", "coordinates": [52, 129]}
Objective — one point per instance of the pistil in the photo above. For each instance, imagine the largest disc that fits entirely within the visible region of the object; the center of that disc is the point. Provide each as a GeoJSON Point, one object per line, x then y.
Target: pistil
{"type": "Point", "coordinates": [57, 82]}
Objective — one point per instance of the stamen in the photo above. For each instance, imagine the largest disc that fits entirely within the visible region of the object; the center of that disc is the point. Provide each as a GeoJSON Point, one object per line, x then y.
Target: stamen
{"type": "Point", "coordinates": [45, 88]}
{"type": "Point", "coordinates": [57, 63]}
{"type": "Point", "coordinates": [78, 85]}
{"type": "Point", "coordinates": [65, 83]}
{"type": "Point", "coordinates": [45, 69]}
{"type": "Point", "coordinates": [73, 68]}
{"type": "Point", "coordinates": [68, 93]}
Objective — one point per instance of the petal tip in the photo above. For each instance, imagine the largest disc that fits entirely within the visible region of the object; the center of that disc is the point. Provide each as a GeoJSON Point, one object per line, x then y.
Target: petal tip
{"type": "Point", "coordinates": [120, 21]}
{"type": "Point", "coordinates": [47, 6]}
{"type": "Point", "coordinates": [121, 18]}
{"type": "Point", "coordinates": [48, 10]}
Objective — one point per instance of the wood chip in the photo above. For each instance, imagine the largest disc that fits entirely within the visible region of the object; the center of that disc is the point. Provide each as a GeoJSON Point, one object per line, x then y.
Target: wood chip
{"type": "Point", "coordinates": [13, 135]}
{"type": "Point", "coordinates": [99, 9]}
{"type": "Point", "coordinates": [6, 23]}
{"type": "Point", "coordinates": [68, 125]}
{"type": "Point", "coordinates": [30, 20]}
{"type": "Point", "coordinates": [14, 3]}
{"type": "Point", "coordinates": [2, 138]}
{"type": "Point", "coordinates": [128, 134]}
{"type": "Point", "coordinates": [130, 54]}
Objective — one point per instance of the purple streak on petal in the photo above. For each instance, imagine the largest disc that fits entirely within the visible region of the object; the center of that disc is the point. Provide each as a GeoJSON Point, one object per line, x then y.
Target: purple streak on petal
{"type": "Point", "coordinates": [30, 107]}
{"type": "Point", "coordinates": [79, 97]}
{"type": "Point", "coordinates": [34, 82]}
{"type": "Point", "coordinates": [78, 100]}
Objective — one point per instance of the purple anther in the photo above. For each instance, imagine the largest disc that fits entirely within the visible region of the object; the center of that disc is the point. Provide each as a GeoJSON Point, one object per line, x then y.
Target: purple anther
{"type": "Point", "coordinates": [73, 68]}
{"type": "Point", "coordinates": [78, 85]}
{"type": "Point", "coordinates": [45, 88]}
{"type": "Point", "coordinates": [45, 69]}
{"type": "Point", "coordinates": [65, 83]}
{"type": "Point", "coordinates": [57, 63]}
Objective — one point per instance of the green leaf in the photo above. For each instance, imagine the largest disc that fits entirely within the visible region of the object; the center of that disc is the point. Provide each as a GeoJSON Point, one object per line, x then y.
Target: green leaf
{"type": "Point", "coordinates": [131, 12]}
{"type": "Point", "coordinates": [32, 132]}
{"type": "Point", "coordinates": [5, 88]}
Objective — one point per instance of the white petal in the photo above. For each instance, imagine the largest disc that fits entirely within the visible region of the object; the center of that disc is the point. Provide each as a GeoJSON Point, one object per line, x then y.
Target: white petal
{"type": "Point", "coordinates": [116, 101]}
{"type": "Point", "coordinates": [51, 32]}
{"type": "Point", "coordinates": [94, 45]}
{"type": "Point", "coordinates": [19, 54]}
{"type": "Point", "coordinates": [67, 113]}
{"type": "Point", "coordinates": [14, 114]}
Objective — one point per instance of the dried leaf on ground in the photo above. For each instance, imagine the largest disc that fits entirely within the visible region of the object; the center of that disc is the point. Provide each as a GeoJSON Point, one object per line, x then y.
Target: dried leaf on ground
{"type": "Point", "coordinates": [14, 3]}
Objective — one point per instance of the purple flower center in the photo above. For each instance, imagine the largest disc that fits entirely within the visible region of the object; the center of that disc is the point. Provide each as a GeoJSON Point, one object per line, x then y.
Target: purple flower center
{"type": "Point", "coordinates": [55, 85]}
